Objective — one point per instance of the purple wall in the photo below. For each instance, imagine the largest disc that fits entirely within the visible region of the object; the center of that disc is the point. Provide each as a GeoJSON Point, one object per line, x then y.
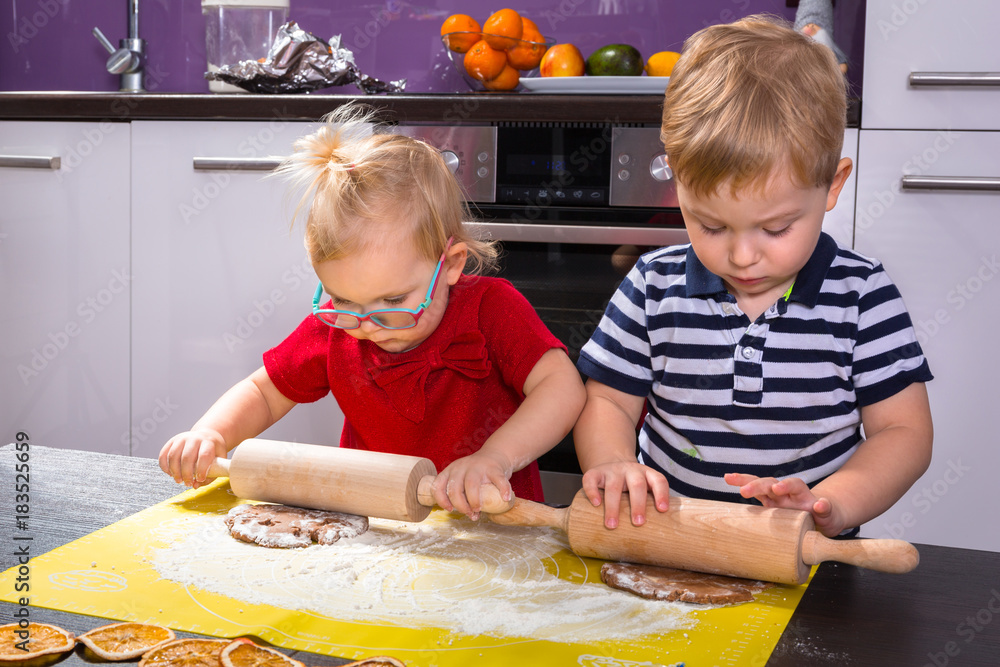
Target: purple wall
{"type": "Point", "coordinates": [48, 43]}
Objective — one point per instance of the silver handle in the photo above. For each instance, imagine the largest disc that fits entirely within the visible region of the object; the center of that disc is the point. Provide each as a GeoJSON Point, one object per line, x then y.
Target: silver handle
{"type": "Point", "coordinates": [954, 183]}
{"type": "Point", "coordinates": [651, 236]}
{"type": "Point", "coordinates": [31, 161]}
{"type": "Point", "coordinates": [236, 163]}
{"type": "Point", "coordinates": [963, 79]}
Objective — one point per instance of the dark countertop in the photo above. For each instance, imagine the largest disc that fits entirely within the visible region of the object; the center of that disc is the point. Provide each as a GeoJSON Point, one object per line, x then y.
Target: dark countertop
{"type": "Point", "coordinates": [416, 108]}
{"type": "Point", "coordinates": [946, 612]}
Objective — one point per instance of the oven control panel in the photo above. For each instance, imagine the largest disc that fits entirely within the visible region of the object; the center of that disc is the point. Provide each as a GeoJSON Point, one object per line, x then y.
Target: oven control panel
{"type": "Point", "coordinates": [469, 151]}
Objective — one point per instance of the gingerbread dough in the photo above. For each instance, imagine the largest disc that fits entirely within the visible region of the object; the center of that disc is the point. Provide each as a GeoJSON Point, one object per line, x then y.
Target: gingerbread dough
{"type": "Point", "coordinates": [664, 583]}
{"type": "Point", "coordinates": [286, 527]}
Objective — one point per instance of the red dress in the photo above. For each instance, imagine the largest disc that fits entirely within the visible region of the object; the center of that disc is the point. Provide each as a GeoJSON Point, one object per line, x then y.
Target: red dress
{"type": "Point", "coordinates": [440, 400]}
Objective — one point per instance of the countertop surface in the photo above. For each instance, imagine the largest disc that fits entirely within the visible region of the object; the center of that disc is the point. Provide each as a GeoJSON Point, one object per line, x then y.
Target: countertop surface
{"type": "Point", "coordinates": [946, 612]}
{"type": "Point", "coordinates": [427, 108]}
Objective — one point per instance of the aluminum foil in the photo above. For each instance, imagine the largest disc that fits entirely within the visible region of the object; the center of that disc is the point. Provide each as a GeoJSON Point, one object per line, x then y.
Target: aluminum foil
{"type": "Point", "coordinates": [300, 62]}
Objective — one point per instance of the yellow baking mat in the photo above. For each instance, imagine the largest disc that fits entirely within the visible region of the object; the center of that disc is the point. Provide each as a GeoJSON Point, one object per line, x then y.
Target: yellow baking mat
{"type": "Point", "coordinates": [445, 592]}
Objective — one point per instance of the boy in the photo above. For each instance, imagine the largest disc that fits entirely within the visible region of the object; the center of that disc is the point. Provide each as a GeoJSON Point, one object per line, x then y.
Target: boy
{"type": "Point", "coordinates": [760, 349]}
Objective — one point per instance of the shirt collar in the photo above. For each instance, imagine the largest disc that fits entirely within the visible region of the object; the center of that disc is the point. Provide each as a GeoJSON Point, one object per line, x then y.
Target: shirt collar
{"type": "Point", "coordinates": [702, 282]}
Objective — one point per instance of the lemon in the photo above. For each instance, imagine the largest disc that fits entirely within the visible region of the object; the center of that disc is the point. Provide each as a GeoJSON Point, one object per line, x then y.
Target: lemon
{"type": "Point", "coordinates": [662, 63]}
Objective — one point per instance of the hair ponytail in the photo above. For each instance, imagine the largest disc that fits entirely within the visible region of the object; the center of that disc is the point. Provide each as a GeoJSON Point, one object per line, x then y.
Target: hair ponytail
{"type": "Point", "coordinates": [361, 186]}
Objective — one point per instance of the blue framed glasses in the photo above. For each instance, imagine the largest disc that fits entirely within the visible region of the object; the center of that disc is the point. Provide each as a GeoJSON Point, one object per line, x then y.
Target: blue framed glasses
{"type": "Point", "coordinates": [387, 318]}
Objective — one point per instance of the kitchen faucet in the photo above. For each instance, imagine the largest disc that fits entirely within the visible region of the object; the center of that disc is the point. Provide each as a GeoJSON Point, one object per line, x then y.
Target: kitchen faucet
{"type": "Point", "coordinates": [127, 59]}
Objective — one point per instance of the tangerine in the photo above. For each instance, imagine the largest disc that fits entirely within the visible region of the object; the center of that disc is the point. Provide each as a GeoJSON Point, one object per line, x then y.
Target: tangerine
{"type": "Point", "coordinates": [527, 23]}
{"type": "Point", "coordinates": [465, 29]}
{"type": "Point", "coordinates": [662, 63]}
{"type": "Point", "coordinates": [506, 80]}
{"type": "Point", "coordinates": [528, 52]}
{"type": "Point", "coordinates": [483, 62]}
{"type": "Point", "coordinates": [502, 29]}
{"type": "Point", "coordinates": [562, 60]}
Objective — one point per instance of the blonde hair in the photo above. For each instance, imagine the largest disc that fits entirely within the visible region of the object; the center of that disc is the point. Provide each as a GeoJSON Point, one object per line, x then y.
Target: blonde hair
{"type": "Point", "coordinates": [748, 98]}
{"type": "Point", "coordinates": [363, 187]}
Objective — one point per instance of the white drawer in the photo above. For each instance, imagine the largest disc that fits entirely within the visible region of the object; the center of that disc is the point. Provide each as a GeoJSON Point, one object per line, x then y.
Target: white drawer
{"type": "Point", "coordinates": [904, 38]}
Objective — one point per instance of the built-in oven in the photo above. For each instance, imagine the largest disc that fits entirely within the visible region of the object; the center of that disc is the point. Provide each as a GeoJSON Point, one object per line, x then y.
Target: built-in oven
{"type": "Point", "coordinates": [573, 205]}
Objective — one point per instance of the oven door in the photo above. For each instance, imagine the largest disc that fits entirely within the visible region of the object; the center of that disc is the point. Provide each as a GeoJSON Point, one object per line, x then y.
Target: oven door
{"type": "Point", "coordinates": [569, 274]}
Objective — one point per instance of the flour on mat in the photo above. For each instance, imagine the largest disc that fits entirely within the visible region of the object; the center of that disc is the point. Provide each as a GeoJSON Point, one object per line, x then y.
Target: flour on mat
{"type": "Point", "coordinates": [474, 579]}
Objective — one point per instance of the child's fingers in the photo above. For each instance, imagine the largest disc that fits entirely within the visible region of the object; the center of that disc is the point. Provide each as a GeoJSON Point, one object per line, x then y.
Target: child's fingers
{"type": "Point", "coordinates": [636, 480]}
{"type": "Point", "coordinates": [613, 488]}
{"type": "Point", "coordinates": [592, 482]}
{"type": "Point", "coordinates": [661, 491]}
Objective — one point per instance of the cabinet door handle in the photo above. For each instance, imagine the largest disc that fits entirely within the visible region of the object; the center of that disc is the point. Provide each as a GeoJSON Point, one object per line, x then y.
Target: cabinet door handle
{"type": "Point", "coordinates": [509, 231]}
{"type": "Point", "coordinates": [956, 183]}
{"type": "Point", "coordinates": [236, 163]}
{"type": "Point", "coordinates": [31, 161]}
{"type": "Point", "coordinates": [963, 79]}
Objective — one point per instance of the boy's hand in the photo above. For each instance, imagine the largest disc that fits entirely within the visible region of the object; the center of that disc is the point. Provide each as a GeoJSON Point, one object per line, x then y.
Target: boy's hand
{"type": "Point", "coordinates": [790, 493]}
{"type": "Point", "coordinates": [618, 477]}
{"type": "Point", "coordinates": [458, 487]}
{"type": "Point", "coordinates": [187, 456]}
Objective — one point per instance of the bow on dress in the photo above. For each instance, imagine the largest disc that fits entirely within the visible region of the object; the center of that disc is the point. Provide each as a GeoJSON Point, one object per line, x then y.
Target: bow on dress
{"type": "Point", "coordinates": [404, 379]}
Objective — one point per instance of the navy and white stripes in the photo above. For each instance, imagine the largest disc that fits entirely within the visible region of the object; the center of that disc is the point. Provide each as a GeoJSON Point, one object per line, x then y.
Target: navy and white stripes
{"type": "Point", "coordinates": [778, 397]}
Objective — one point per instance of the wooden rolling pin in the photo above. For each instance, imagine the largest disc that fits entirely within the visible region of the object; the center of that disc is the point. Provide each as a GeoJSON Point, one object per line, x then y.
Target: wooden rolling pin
{"type": "Point", "coordinates": [387, 486]}
{"type": "Point", "coordinates": [770, 544]}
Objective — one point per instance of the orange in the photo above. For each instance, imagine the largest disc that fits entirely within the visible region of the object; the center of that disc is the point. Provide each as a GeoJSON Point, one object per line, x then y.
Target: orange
{"type": "Point", "coordinates": [43, 642]}
{"type": "Point", "coordinates": [562, 60]}
{"type": "Point", "coordinates": [185, 653]}
{"type": "Point", "coordinates": [502, 28]}
{"type": "Point", "coordinates": [468, 32]}
{"type": "Point", "coordinates": [244, 653]}
{"type": "Point", "coordinates": [483, 62]}
{"type": "Point", "coordinates": [506, 80]}
{"type": "Point", "coordinates": [528, 23]}
{"type": "Point", "coordinates": [528, 52]}
{"type": "Point", "coordinates": [662, 63]}
{"type": "Point", "coordinates": [125, 641]}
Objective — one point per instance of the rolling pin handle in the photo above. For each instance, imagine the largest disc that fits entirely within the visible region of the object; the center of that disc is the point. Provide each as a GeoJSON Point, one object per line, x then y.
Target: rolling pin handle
{"type": "Point", "coordinates": [892, 556]}
{"type": "Point", "coordinates": [219, 468]}
{"type": "Point", "coordinates": [490, 499]}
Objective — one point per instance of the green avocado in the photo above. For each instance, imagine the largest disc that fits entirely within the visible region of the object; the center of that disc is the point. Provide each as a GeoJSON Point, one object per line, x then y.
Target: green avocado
{"type": "Point", "coordinates": [615, 60]}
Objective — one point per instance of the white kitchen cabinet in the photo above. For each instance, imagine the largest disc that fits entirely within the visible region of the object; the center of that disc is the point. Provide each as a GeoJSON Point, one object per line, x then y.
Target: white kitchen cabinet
{"type": "Point", "coordinates": [219, 276]}
{"type": "Point", "coordinates": [942, 248]}
{"type": "Point", "coordinates": [952, 45]}
{"type": "Point", "coordinates": [64, 283]}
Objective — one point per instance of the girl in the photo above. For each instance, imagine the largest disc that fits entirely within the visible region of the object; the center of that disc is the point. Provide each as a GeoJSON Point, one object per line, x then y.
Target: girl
{"type": "Point", "coordinates": [422, 359]}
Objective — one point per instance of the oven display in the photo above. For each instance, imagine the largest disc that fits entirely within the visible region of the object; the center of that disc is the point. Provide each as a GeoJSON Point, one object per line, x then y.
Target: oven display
{"type": "Point", "coordinates": [553, 166]}
{"type": "Point", "coordinates": [540, 165]}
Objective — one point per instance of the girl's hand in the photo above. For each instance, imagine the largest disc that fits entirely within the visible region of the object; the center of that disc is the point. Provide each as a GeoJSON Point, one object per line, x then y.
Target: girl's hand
{"type": "Point", "coordinates": [187, 456]}
{"type": "Point", "coordinates": [458, 487]}
{"type": "Point", "coordinates": [619, 477]}
{"type": "Point", "coordinates": [790, 493]}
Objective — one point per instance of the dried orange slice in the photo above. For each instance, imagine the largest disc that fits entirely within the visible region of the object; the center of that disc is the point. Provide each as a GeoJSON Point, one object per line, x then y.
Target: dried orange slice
{"type": "Point", "coordinates": [185, 653]}
{"type": "Point", "coordinates": [125, 641]}
{"type": "Point", "coordinates": [244, 653]}
{"type": "Point", "coordinates": [379, 661]}
{"type": "Point", "coordinates": [35, 644]}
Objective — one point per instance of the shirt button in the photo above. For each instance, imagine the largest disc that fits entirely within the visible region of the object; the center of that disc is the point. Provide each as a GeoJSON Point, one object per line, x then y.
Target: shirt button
{"type": "Point", "coordinates": [727, 308]}
{"type": "Point", "coordinates": [747, 352]}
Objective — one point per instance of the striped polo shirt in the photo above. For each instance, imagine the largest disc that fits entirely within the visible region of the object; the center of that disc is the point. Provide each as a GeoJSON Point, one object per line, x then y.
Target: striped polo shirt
{"type": "Point", "coordinates": [778, 397]}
